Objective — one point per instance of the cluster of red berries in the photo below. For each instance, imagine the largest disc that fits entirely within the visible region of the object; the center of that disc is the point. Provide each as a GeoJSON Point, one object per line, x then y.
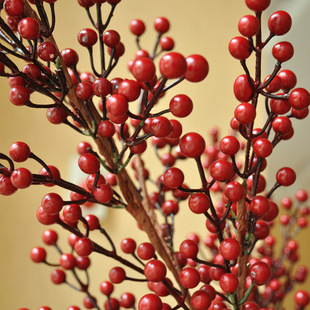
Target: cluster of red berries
{"type": "Point", "coordinates": [238, 210]}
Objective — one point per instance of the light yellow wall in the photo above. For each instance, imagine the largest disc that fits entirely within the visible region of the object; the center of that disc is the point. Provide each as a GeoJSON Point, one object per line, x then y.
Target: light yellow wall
{"type": "Point", "coordinates": [199, 26]}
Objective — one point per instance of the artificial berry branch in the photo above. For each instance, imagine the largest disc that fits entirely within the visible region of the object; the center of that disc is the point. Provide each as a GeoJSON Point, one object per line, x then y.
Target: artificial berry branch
{"type": "Point", "coordinates": [237, 221]}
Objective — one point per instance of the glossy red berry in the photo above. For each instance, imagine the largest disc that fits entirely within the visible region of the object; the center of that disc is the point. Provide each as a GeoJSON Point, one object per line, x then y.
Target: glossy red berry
{"type": "Point", "coordinates": [181, 105]}
{"type": "Point", "coordinates": [87, 37]}
{"type": "Point", "coordinates": [58, 276]}
{"type": "Point", "coordinates": [229, 283]}
{"type": "Point", "coordinates": [299, 98]}
{"type": "Point", "coordinates": [84, 246]}
{"type": "Point", "coordinates": [200, 300]}
{"type": "Point", "coordinates": [49, 237]}
{"type": "Point", "coordinates": [19, 95]}
{"type": "Point", "coordinates": [172, 65]}
{"type": "Point", "coordinates": [302, 298]}
{"type": "Point", "coordinates": [67, 261]}
{"type": "Point", "coordinates": [150, 302]}
{"type": "Point", "coordinates": [128, 245]}
{"type": "Point", "coordinates": [239, 48]}
{"type": "Point", "coordinates": [283, 51]}
{"type": "Point", "coordinates": [52, 203]}
{"type": "Point", "coordinates": [288, 79]}
{"type": "Point", "coordinates": [242, 88]}
{"type": "Point", "coordinates": [56, 115]}
{"type": "Point", "coordinates": [245, 113]}
{"type": "Point", "coordinates": [197, 68]}
{"type": "Point", "coordinates": [14, 8]}
{"type": "Point", "coordinates": [103, 193]}
{"type": "Point", "coordinates": [21, 178]}
{"type": "Point", "coordinates": [279, 23]}
{"type": "Point", "coordinates": [143, 69]}
{"type": "Point", "coordinates": [192, 145]}
{"type": "Point", "coordinates": [127, 300]}
{"type": "Point", "coordinates": [107, 288]}
{"type": "Point", "coordinates": [70, 57]}
{"type": "Point", "coordinates": [161, 24]}
{"type": "Point", "coordinates": [233, 191]}
{"type": "Point", "coordinates": [47, 51]}
{"type": "Point", "coordinates": [229, 145]}
{"type": "Point", "coordinates": [230, 249]}
{"type": "Point", "coordinates": [257, 5]}
{"type": "Point", "coordinates": [222, 170]}
{"type": "Point", "coordinates": [38, 255]}
{"type": "Point", "coordinates": [286, 176]}
{"type": "Point", "coordinates": [189, 277]}
{"type": "Point", "coordinates": [111, 38]}
{"type": "Point", "coordinates": [259, 206]}
{"type": "Point", "coordinates": [189, 249]}
{"type": "Point", "coordinates": [137, 27]}
{"type": "Point", "coordinates": [260, 273]}
{"type": "Point", "coordinates": [29, 28]}
{"type": "Point", "coordinates": [117, 275]}
{"type": "Point", "coordinates": [248, 26]}
{"type": "Point", "coordinates": [89, 163]}
{"type": "Point", "coordinates": [166, 43]}
{"type": "Point", "coordinates": [199, 203]}
{"type": "Point", "coordinates": [155, 270]}
{"type": "Point", "coordinates": [262, 147]}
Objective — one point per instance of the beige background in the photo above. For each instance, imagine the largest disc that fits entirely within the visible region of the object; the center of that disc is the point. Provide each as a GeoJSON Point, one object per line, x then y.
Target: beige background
{"type": "Point", "coordinates": [199, 26]}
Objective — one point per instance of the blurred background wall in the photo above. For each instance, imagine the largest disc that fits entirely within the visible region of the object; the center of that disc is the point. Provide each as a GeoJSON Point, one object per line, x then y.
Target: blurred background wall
{"type": "Point", "coordinates": [199, 26]}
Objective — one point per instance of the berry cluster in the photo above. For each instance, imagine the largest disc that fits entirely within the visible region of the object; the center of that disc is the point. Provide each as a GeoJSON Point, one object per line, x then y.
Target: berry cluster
{"type": "Point", "coordinates": [236, 266]}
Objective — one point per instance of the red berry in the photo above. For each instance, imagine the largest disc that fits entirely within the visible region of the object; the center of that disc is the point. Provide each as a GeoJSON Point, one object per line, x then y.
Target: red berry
{"type": "Point", "coordinates": [302, 298]}
{"type": "Point", "coordinates": [245, 113]}
{"type": "Point", "coordinates": [58, 276]}
{"type": "Point", "coordinates": [260, 273]}
{"type": "Point", "coordinates": [19, 95]}
{"type": "Point", "coordinates": [200, 300]}
{"type": "Point", "coordinates": [103, 193]}
{"type": "Point", "coordinates": [248, 26]}
{"type": "Point", "coordinates": [21, 178]}
{"type": "Point", "coordinates": [239, 48]}
{"type": "Point", "coordinates": [67, 261]}
{"type": "Point", "coordinates": [299, 98]}
{"type": "Point", "coordinates": [106, 287]}
{"type": "Point", "coordinates": [143, 69]}
{"type": "Point", "coordinates": [47, 51]}
{"type": "Point", "coordinates": [89, 163]}
{"type": "Point", "coordinates": [259, 206]}
{"type": "Point", "coordinates": [111, 38]}
{"type": "Point", "coordinates": [229, 145]}
{"type": "Point", "coordinates": [222, 170]}
{"type": "Point", "coordinates": [189, 249]}
{"type": "Point", "coordinates": [150, 302]}
{"type": "Point", "coordinates": [137, 27]}
{"type": "Point", "coordinates": [128, 245]}
{"type": "Point", "coordinates": [52, 203]}
{"type": "Point", "coordinates": [49, 237]}
{"type": "Point", "coordinates": [262, 147]}
{"type": "Point", "coordinates": [242, 89]}
{"type": "Point", "coordinates": [230, 249]}
{"type": "Point", "coordinates": [146, 251]}
{"type": "Point", "coordinates": [199, 203]}
{"type": "Point", "coordinates": [161, 24]}
{"type": "Point", "coordinates": [155, 270]}
{"type": "Point", "coordinates": [192, 145]}
{"type": "Point", "coordinates": [286, 176]}
{"type": "Point", "coordinates": [29, 28]}
{"type": "Point", "coordinates": [172, 65]}
{"type": "Point", "coordinates": [279, 23]}
{"type": "Point", "coordinates": [83, 247]}
{"type": "Point", "coordinates": [166, 43]}
{"type": "Point", "coordinates": [117, 275]}
{"type": "Point", "coordinates": [283, 51]}
{"type": "Point", "coordinates": [197, 68]}
{"type": "Point", "coordinates": [229, 283]}
{"type": "Point", "coordinates": [70, 57]}
{"type": "Point", "coordinates": [181, 106]}
{"type": "Point", "coordinates": [257, 5]}
{"type": "Point", "coordinates": [189, 277]}
{"type": "Point", "coordinates": [38, 255]}
{"type": "Point", "coordinates": [87, 37]}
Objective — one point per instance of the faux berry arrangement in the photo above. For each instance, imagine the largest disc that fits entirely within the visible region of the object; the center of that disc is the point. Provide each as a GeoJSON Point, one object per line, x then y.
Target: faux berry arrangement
{"type": "Point", "coordinates": [238, 264]}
